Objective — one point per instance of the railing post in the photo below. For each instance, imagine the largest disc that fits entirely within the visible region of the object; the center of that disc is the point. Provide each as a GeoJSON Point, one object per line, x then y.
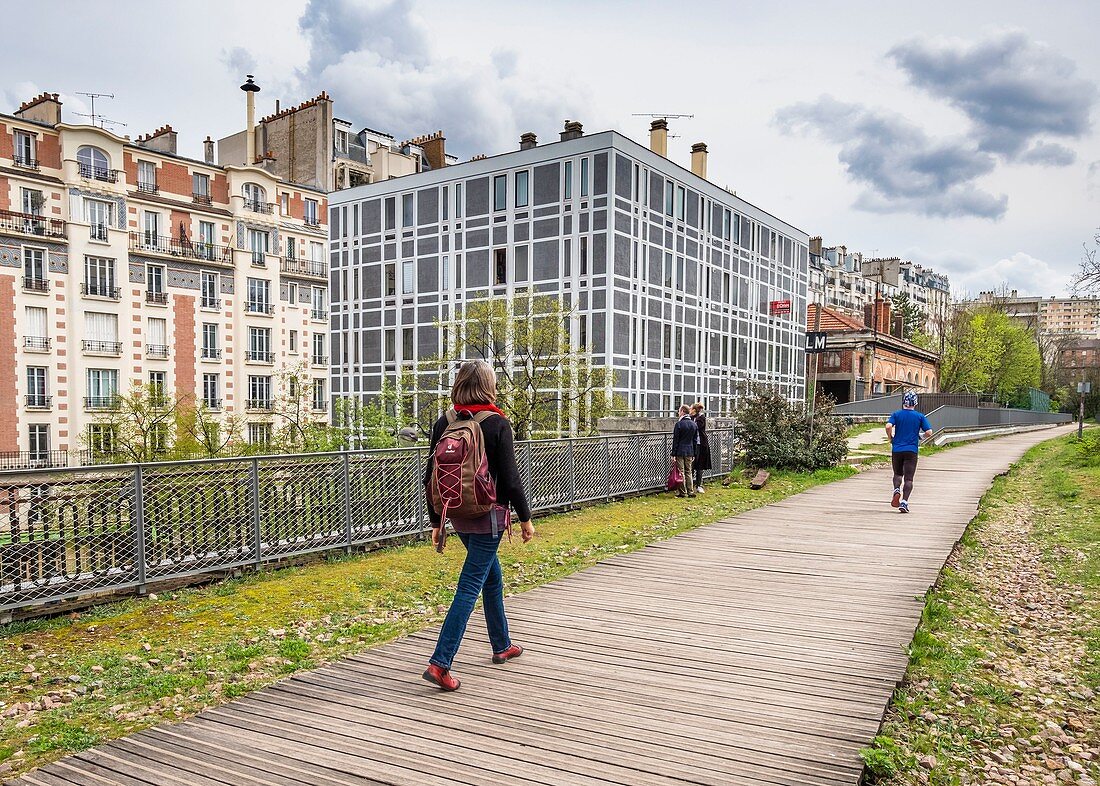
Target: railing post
{"type": "Point", "coordinates": [139, 528]}
{"type": "Point", "coordinates": [607, 468]}
{"type": "Point", "coordinates": [254, 484]}
{"type": "Point", "coordinates": [572, 456]}
{"type": "Point", "coordinates": [418, 491]}
{"type": "Point", "coordinates": [347, 503]}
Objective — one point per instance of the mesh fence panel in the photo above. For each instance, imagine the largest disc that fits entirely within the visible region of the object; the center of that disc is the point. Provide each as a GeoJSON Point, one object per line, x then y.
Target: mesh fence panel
{"type": "Point", "coordinates": [66, 533]}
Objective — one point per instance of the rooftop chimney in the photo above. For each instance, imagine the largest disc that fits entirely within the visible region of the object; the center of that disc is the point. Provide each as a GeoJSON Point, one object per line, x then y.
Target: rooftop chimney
{"type": "Point", "coordinates": [527, 140]}
{"type": "Point", "coordinates": [699, 159]}
{"type": "Point", "coordinates": [815, 246]}
{"type": "Point", "coordinates": [208, 150]}
{"type": "Point", "coordinates": [250, 89]}
{"type": "Point", "coordinates": [658, 137]}
{"type": "Point", "coordinates": [877, 315]}
{"type": "Point", "coordinates": [163, 139]}
{"type": "Point", "coordinates": [44, 108]}
{"type": "Point", "coordinates": [573, 130]}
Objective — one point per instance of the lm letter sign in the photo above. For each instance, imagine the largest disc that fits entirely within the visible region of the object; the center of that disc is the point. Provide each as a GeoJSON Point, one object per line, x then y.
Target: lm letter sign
{"type": "Point", "coordinates": [816, 342]}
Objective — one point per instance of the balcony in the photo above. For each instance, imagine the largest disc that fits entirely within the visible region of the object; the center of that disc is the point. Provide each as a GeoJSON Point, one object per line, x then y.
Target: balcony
{"type": "Point", "coordinates": [180, 247]}
{"type": "Point", "coordinates": [201, 199]}
{"type": "Point", "coordinates": [89, 172]}
{"type": "Point", "coordinates": [101, 402]}
{"type": "Point", "coordinates": [212, 403]}
{"type": "Point", "coordinates": [156, 351]}
{"type": "Point", "coordinates": [319, 361]}
{"type": "Point", "coordinates": [319, 314]}
{"type": "Point", "coordinates": [157, 298]}
{"type": "Point", "coordinates": [255, 307]}
{"type": "Point", "coordinates": [148, 188]}
{"type": "Point", "coordinates": [256, 356]}
{"type": "Point", "coordinates": [259, 259]}
{"type": "Point", "coordinates": [212, 303]}
{"type": "Point", "coordinates": [258, 404]}
{"type": "Point", "coordinates": [319, 406]}
{"type": "Point", "coordinates": [35, 284]}
{"type": "Point", "coordinates": [101, 290]}
{"type": "Point", "coordinates": [211, 353]}
{"type": "Point", "coordinates": [30, 224]}
{"type": "Point", "coordinates": [259, 207]}
{"type": "Point", "coordinates": [303, 267]}
{"type": "Point", "coordinates": [33, 459]}
{"type": "Point", "coordinates": [25, 162]}
{"type": "Point", "coordinates": [36, 343]}
{"type": "Point", "coordinates": [98, 232]}
{"type": "Point", "coordinates": [102, 347]}
{"type": "Point", "coordinates": [312, 221]}
{"type": "Point", "coordinates": [39, 401]}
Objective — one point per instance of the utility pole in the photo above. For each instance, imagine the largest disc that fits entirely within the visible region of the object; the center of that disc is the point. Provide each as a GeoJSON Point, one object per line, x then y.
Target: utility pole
{"type": "Point", "coordinates": [1083, 389]}
{"type": "Point", "coordinates": [813, 385]}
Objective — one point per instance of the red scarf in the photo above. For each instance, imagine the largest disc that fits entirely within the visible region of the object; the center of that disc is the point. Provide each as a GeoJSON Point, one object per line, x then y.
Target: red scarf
{"type": "Point", "coordinates": [473, 409]}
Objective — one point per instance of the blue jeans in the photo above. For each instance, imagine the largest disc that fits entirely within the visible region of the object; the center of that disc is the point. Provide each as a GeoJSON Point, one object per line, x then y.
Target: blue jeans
{"type": "Point", "coordinates": [481, 575]}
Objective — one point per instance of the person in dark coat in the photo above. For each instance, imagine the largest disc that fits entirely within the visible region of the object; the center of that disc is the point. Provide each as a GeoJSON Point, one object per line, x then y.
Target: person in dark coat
{"type": "Point", "coordinates": [683, 450]}
{"type": "Point", "coordinates": [702, 445]}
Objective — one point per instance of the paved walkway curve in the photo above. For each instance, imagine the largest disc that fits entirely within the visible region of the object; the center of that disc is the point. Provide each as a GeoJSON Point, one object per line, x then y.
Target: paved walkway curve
{"type": "Point", "coordinates": [758, 650]}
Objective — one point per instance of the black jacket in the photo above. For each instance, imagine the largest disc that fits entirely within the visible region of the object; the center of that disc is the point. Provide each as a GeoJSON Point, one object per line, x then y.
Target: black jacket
{"type": "Point", "coordinates": [683, 437]}
{"type": "Point", "coordinates": [501, 452]}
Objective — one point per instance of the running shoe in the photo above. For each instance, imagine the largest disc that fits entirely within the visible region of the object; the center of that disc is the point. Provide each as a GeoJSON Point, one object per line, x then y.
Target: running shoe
{"type": "Point", "coordinates": [897, 498]}
{"type": "Point", "coordinates": [903, 507]}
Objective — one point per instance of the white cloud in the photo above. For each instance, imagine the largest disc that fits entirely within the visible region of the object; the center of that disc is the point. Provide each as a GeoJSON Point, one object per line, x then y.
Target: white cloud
{"type": "Point", "coordinates": [1020, 271]}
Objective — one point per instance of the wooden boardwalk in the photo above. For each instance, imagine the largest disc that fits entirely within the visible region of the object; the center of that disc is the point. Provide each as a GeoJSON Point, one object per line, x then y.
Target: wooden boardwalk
{"type": "Point", "coordinates": [758, 650]}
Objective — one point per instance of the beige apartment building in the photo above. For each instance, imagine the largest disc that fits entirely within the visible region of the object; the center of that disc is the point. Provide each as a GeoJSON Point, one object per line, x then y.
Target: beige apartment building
{"type": "Point", "coordinates": [1050, 316]}
{"type": "Point", "coordinates": [308, 144]}
{"type": "Point", "coordinates": [123, 263]}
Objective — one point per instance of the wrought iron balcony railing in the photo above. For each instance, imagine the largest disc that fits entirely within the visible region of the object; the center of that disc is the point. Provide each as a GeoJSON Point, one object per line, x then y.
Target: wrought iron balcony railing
{"type": "Point", "coordinates": [89, 172]}
{"type": "Point", "coordinates": [157, 298]}
{"type": "Point", "coordinates": [39, 401]}
{"type": "Point", "coordinates": [99, 232]}
{"type": "Point", "coordinates": [25, 162]}
{"type": "Point", "coordinates": [33, 459]}
{"type": "Point", "coordinates": [180, 247]}
{"type": "Point", "coordinates": [319, 314]}
{"type": "Point", "coordinates": [94, 289]}
{"type": "Point", "coordinates": [259, 207]}
{"type": "Point", "coordinates": [156, 350]}
{"type": "Point", "coordinates": [211, 353]}
{"type": "Point", "coordinates": [212, 403]}
{"type": "Point", "coordinates": [35, 284]}
{"type": "Point", "coordinates": [37, 343]}
{"type": "Point", "coordinates": [320, 361]}
{"type": "Point", "coordinates": [210, 302]}
{"type": "Point", "coordinates": [101, 402]}
{"type": "Point", "coordinates": [303, 267]}
{"type": "Point", "coordinates": [30, 224]}
{"type": "Point", "coordinates": [102, 347]}
{"type": "Point", "coordinates": [260, 404]}
{"type": "Point", "coordinates": [201, 199]}
{"type": "Point", "coordinates": [256, 307]}
{"type": "Point", "coordinates": [256, 356]}
{"type": "Point", "coordinates": [148, 188]}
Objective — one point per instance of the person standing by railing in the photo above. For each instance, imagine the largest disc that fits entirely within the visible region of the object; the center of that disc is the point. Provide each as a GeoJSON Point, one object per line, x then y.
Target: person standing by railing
{"type": "Point", "coordinates": [473, 397]}
{"type": "Point", "coordinates": [683, 450]}
{"type": "Point", "coordinates": [905, 428]}
{"type": "Point", "coordinates": [702, 445]}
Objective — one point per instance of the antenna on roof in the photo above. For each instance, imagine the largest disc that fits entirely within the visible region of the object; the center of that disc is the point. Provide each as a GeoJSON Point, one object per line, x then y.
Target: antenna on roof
{"type": "Point", "coordinates": [662, 115]}
{"type": "Point", "coordinates": [91, 98]}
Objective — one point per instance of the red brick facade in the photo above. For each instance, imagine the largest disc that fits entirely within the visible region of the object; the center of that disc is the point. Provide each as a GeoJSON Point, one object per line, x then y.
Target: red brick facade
{"type": "Point", "coordinates": [9, 420]}
{"type": "Point", "coordinates": [183, 319]}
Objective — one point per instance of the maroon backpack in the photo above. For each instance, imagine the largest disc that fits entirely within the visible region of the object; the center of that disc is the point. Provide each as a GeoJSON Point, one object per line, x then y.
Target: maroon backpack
{"type": "Point", "coordinates": [461, 485]}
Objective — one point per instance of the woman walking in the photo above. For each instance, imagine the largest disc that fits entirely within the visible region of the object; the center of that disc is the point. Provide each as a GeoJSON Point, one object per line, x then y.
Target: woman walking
{"type": "Point", "coordinates": [473, 399]}
{"type": "Point", "coordinates": [702, 445]}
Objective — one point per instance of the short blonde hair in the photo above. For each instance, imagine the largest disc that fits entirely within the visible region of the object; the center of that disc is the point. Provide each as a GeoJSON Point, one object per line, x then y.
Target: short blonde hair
{"type": "Point", "coordinates": [684, 409]}
{"type": "Point", "coordinates": [697, 407]}
{"type": "Point", "coordinates": [475, 383]}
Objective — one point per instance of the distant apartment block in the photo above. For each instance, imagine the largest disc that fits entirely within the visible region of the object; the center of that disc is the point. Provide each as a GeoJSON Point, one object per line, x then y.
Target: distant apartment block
{"type": "Point", "coordinates": [846, 280]}
{"type": "Point", "coordinates": [1050, 316]}
{"type": "Point", "coordinates": [308, 144]}
{"type": "Point", "coordinates": [683, 290]}
{"type": "Point", "coordinates": [123, 263]}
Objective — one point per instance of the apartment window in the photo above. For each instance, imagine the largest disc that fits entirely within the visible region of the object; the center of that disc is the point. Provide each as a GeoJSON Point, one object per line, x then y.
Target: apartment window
{"type": "Point", "coordinates": [101, 331]}
{"type": "Point", "coordinates": [292, 388]}
{"type": "Point", "coordinates": [204, 248]}
{"type": "Point", "coordinates": [341, 141]}
{"type": "Point", "coordinates": [259, 433]}
{"type": "Point", "coordinates": [24, 149]}
{"type": "Point", "coordinates": [147, 177]}
{"type": "Point", "coordinates": [36, 335]}
{"type": "Point", "coordinates": [293, 341]}
{"type": "Point", "coordinates": [259, 296]}
{"type": "Point", "coordinates": [725, 225]}
{"type": "Point", "coordinates": [319, 394]}
{"type": "Point", "coordinates": [102, 386]}
{"type": "Point", "coordinates": [391, 279]}
{"type": "Point", "coordinates": [156, 340]}
{"type": "Point", "coordinates": [97, 214]}
{"type": "Point", "coordinates": [93, 163]}
{"type": "Point", "coordinates": [584, 177]}
{"type": "Point", "coordinates": [445, 272]}
{"type": "Point", "coordinates": [666, 341]}
{"type": "Point", "coordinates": [319, 348]}
{"type": "Point", "coordinates": [32, 200]}
{"type": "Point", "coordinates": [291, 248]}
{"type": "Point", "coordinates": [154, 284]}
{"type": "Point", "coordinates": [255, 198]}
{"type": "Point", "coordinates": [831, 360]}
{"type": "Point", "coordinates": [584, 255]}
{"type": "Point", "coordinates": [319, 301]}
{"type": "Point", "coordinates": [311, 212]}
{"type": "Point", "coordinates": [211, 391]}
{"type": "Point", "coordinates": [500, 192]}
{"type": "Point", "coordinates": [521, 188]}
{"type": "Point", "coordinates": [391, 213]}
{"type": "Point", "coordinates": [407, 278]}
{"type": "Point", "coordinates": [458, 270]}
{"type": "Point", "coordinates": [200, 187]}
{"type": "Point", "coordinates": [34, 268]}
{"type": "Point", "coordinates": [38, 441]}
{"type": "Point", "coordinates": [407, 344]}
{"type": "Point", "coordinates": [582, 338]}
{"type": "Point", "coordinates": [458, 200]}
{"type": "Point", "coordinates": [157, 386]}
{"type": "Point", "coordinates": [668, 197]}
{"type": "Point", "coordinates": [317, 256]}
{"type": "Point", "coordinates": [101, 439]}
{"type": "Point", "coordinates": [568, 179]}
{"type": "Point", "coordinates": [208, 289]}
{"type": "Point", "coordinates": [210, 340]}
{"type": "Point", "coordinates": [500, 266]}
{"type": "Point", "coordinates": [407, 216]}
{"type": "Point", "coordinates": [259, 242]}
{"type": "Point", "coordinates": [36, 386]}
{"type": "Point", "coordinates": [681, 199]}
{"type": "Point", "coordinates": [390, 345]}
{"type": "Point", "coordinates": [284, 204]}
{"type": "Point", "coordinates": [259, 345]}
{"type": "Point", "coordinates": [445, 202]}
{"type": "Point", "coordinates": [259, 392]}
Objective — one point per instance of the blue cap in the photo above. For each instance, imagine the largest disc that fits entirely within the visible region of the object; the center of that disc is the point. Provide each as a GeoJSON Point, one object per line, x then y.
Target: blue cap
{"type": "Point", "coordinates": [909, 399]}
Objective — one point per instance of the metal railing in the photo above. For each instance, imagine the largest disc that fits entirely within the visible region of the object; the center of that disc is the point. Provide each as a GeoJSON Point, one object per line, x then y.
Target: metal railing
{"type": "Point", "coordinates": [31, 459]}
{"type": "Point", "coordinates": [156, 350]}
{"type": "Point", "coordinates": [156, 298]}
{"type": "Point", "coordinates": [259, 307]}
{"type": "Point", "coordinates": [30, 224]}
{"type": "Point", "coordinates": [35, 284]}
{"type": "Point", "coordinates": [267, 208]}
{"type": "Point", "coordinates": [67, 533]}
{"type": "Point", "coordinates": [259, 356]}
{"type": "Point", "coordinates": [40, 343]}
{"type": "Point", "coordinates": [101, 290]}
{"type": "Point", "coordinates": [89, 172]}
{"type": "Point", "coordinates": [211, 353]}
{"type": "Point", "coordinates": [303, 267]}
{"type": "Point", "coordinates": [200, 199]}
{"type": "Point", "coordinates": [148, 188]}
{"type": "Point", "coordinates": [180, 247]}
{"type": "Point", "coordinates": [952, 417]}
{"type": "Point", "coordinates": [102, 347]}
{"type": "Point", "coordinates": [38, 401]}
{"type": "Point", "coordinates": [25, 162]}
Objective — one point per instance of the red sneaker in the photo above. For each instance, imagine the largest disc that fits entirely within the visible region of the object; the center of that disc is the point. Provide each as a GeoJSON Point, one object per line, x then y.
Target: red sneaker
{"type": "Point", "coordinates": [441, 677]}
{"type": "Point", "coordinates": [512, 652]}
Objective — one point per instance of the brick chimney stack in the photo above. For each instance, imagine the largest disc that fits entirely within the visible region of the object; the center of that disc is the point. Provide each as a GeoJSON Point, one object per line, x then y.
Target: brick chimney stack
{"type": "Point", "coordinates": [434, 147]}
{"type": "Point", "coordinates": [815, 246]}
{"type": "Point", "coordinates": [44, 108]}
{"type": "Point", "coordinates": [658, 137]}
{"type": "Point", "coordinates": [163, 140]}
{"type": "Point", "coordinates": [573, 130]}
{"type": "Point", "coordinates": [877, 316]}
{"type": "Point", "coordinates": [528, 140]}
{"type": "Point", "coordinates": [699, 159]}
{"type": "Point", "coordinates": [208, 150]}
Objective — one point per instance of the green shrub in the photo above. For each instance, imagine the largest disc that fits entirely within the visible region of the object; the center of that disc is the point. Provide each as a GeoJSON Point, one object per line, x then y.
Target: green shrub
{"type": "Point", "coordinates": [773, 431]}
{"type": "Point", "coordinates": [1087, 449]}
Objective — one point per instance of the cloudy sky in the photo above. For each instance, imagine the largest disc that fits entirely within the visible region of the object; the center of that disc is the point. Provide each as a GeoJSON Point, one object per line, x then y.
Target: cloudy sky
{"type": "Point", "coordinates": [962, 135]}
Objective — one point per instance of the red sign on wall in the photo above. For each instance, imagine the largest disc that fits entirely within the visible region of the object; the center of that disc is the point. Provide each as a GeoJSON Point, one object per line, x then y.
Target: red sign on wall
{"type": "Point", "coordinates": [780, 307]}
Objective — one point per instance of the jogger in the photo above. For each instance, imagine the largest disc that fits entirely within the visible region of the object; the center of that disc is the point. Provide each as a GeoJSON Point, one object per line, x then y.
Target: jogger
{"type": "Point", "coordinates": [905, 429]}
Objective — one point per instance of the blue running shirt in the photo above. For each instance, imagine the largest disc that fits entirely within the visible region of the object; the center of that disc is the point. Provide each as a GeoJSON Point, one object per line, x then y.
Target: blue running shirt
{"type": "Point", "coordinates": [908, 426]}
